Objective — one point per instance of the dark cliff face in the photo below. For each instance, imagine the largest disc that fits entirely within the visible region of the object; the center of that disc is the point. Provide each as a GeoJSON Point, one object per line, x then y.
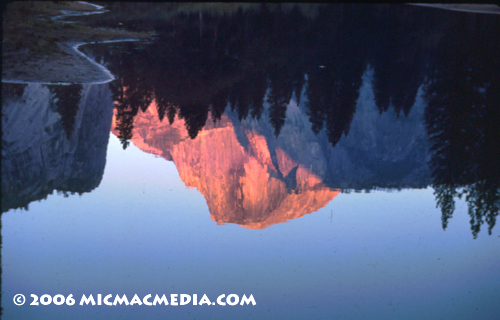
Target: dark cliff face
{"type": "Point", "coordinates": [53, 138]}
{"type": "Point", "coordinates": [382, 150]}
{"type": "Point", "coordinates": [379, 151]}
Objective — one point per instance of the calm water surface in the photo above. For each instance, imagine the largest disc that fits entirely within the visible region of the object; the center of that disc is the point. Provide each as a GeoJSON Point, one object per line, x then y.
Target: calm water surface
{"type": "Point", "coordinates": [336, 162]}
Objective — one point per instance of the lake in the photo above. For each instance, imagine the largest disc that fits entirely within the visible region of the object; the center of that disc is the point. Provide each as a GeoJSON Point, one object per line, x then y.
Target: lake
{"type": "Point", "coordinates": [331, 161]}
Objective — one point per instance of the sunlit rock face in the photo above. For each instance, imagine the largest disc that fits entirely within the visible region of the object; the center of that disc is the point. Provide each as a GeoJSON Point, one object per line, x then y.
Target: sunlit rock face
{"type": "Point", "coordinates": [251, 177]}
{"type": "Point", "coordinates": [39, 157]}
{"type": "Point", "coordinates": [233, 167]}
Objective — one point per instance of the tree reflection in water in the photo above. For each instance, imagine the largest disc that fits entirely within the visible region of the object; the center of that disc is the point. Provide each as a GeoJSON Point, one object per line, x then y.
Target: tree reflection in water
{"type": "Point", "coordinates": [462, 119]}
{"type": "Point", "coordinates": [200, 66]}
{"type": "Point", "coordinates": [66, 99]}
{"type": "Point", "coordinates": [269, 54]}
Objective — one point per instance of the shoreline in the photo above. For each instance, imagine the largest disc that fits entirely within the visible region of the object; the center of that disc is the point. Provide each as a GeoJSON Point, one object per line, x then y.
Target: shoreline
{"type": "Point", "coordinates": [69, 65]}
{"type": "Point", "coordinates": [459, 7]}
{"type": "Point", "coordinates": [68, 13]}
{"type": "Point", "coordinates": [74, 46]}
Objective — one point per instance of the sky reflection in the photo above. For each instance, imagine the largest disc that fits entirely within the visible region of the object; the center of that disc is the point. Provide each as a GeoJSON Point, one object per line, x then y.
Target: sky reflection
{"type": "Point", "coordinates": [363, 253]}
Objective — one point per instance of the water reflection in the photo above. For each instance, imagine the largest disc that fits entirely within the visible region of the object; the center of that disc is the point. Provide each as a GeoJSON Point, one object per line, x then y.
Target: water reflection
{"type": "Point", "coordinates": [272, 109]}
{"type": "Point", "coordinates": [246, 176]}
{"type": "Point", "coordinates": [53, 138]}
{"type": "Point", "coordinates": [66, 99]}
{"type": "Point", "coordinates": [463, 95]}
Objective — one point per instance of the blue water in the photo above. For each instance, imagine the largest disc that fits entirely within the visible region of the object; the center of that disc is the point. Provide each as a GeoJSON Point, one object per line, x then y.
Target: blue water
{"type": "Point", "coordinates": [308, 156]}
{"type": "Point", "coordinates": [364, 255]}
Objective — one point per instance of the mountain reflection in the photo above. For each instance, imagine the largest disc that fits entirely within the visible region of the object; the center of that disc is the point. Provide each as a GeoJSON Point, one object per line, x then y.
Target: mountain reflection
{"type": "Point", "coordinates": [53, 138]}
{"type": "Point", "coordinates": [258, 60]}
{"type": "Point", "coordinates": [270, 110]}
{"type": "Point", "coordinates": [243, 179]}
